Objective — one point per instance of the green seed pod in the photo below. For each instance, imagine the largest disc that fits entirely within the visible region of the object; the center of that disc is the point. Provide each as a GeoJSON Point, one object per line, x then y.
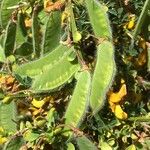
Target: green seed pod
{"type": "Point", "coordinates": [98, 19]}
{"type": "Point", "coordinates": [36, 67]}
{"type": "Point", "coordinates": [103, 75]}
{"type": "Point", "coordinates": [56, 76]}
{"type": "Point", "coordinates": [78, 104]}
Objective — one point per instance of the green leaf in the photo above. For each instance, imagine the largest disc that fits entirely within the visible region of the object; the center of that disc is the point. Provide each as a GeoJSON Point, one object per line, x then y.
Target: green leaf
{"type": "Point", "coordinates": [30, 136]}
{"type": "Point", "coordinates": [14, 144]}
{"type": "Point", "coordinates": [75, 33]}
{"type": "Point", "coordinates": [25, 49]}
{"type": "Point", "coordinates": [20, 37]}
{"type": "Point", "coordinates": [141, 19]}
{"type": "Point", "coordinates": [7, 115]}
{"type": "Point", "coordinates": [70, 146]}
{"type": "Point", "coordinates": [36, 67]}
{"type": "Point", "coordinates": [104, 146]}
{"type": "Point", "coordinates": [98, 19]}
{"type": "Point", "coordinates": [85, 144]}
{"type": "Point", "coordinates": [103, 75]}
{"type": "Point", "coordinates": [56, 75]}
{"type": "Point", "coordinates": [2, 55]}
{"type": "Point", "coordinates": [50, 117]}
{"type": "Point", "coordinates": [36, 37]}
{"type": "Point", "coordinates": [79, 101]}
{"type": "Point", "coordinates": [148, 63]}
{"type": "Point", "coordinates": [52, 32]}
{"type": "Point", "coordinates": [5, 11]}
{"type": "Point", "coordinates": [9, 39]}
{"type": "Point", "coordinates": [131, 147]}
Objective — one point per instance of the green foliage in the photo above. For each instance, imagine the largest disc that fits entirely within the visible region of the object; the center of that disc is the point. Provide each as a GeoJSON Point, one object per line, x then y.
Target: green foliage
{"type": "Point", "coordinates": [75, 33]}
{"type": "Point", "coordinates": [142, 18]}
{"type": "Point", "coordinates": [148, 65]}
{"type": "Point", "coordinates": [2, 55]}
{"type": "Point", "coordinates": [103, 75]}
{"type": "Point", "coordinates": [36, 39]}
{"type": "Point", "coordinates": [84, 143]}
{"type": "Point", "coordinates": [8, 114]}
{"type": "Point", "coordinates": [9, 40]}
{"type": "Point", "coordinates": [20, 38]}
{"type": "Point", "coordinates": [52, 31]}
{"type": "Point", "coordinates": [14, 143]}
{"type": "Point", "coordinates": [78, 104]}
{"type": "Point", "coordinates": [70, 146]}
{"type": "Point", "coordinates": [51, 105]}
{"type": "Point", "coordinates": [6, 11]}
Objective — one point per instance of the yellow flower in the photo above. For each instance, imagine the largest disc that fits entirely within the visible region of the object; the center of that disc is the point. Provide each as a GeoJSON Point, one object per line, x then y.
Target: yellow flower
{"type": "Point", "coordinates": [38, 103]}
{"type": "Point", "coordinates": [3, 140]}
{"type": "Point", "coordinates": [115, 99]}
{"type": "Point", "coordinates": [131, 23]}
{"type": "Point", "coordinates": [119, 113]}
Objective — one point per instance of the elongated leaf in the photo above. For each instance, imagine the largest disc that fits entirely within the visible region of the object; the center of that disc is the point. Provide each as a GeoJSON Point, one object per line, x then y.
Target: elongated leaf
{"type": "Point", "coordinates": [52, 32]}
{"type": "Point", "coordinates": [103, 75]}
{"type": "Point", "coordinates": [2, 55]}
{"type": "Point", "coordinates": [75, 33]}
{"type": "Point", "coordinates": [79, 101]}
{"type": "Point", "coordinates": [25, 49]}
{"type": "Point", "coordinates": [56, 75]}
{"type": "Point", "coordinates": [85, 144]}
{"type": "Point", "coordinates": [36, 67]}
{"type": "Point", "coordinates": [7, 114]}
{"type": "Point", "coordinates": [14, 144]}
{"type": "Point", "coordinates": [98, 19]}
{"type": "Point", "coordinates": [22, 46]}
{"type": "Point", "coordinates": [148, 63]}
{"type": "Point", "coordinates": [9, 41]}
{"type": "Point", "coordinates": [36, 37]}
{"type": "Point", "coordinates": [2, 35]}
{"type": "Point", "coordinates": [20, 38]}
{"type": "Point", "coordinates": [141, 19]}
{"type": "Point", "coordinates": [5, 13]}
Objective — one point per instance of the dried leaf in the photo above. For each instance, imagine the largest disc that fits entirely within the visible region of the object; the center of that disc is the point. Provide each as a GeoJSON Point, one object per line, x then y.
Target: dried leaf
{"type": "Point", "coordinates": [142, 43]}
{"type": "Point", "coordinates": [142, 58]}
{"type": "Point", "coordinates": [50, 6]}
{"type": "Point", "coordinates": [28, 23]}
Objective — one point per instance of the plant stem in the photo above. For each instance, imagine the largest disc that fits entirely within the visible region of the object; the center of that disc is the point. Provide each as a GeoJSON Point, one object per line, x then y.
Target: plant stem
{"type": "Point", "coordinates": [141, 20]}
{"type": "Point", "coordinates": [140, 119]}
{"type": "Point", "coordinates": [23, 95]}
